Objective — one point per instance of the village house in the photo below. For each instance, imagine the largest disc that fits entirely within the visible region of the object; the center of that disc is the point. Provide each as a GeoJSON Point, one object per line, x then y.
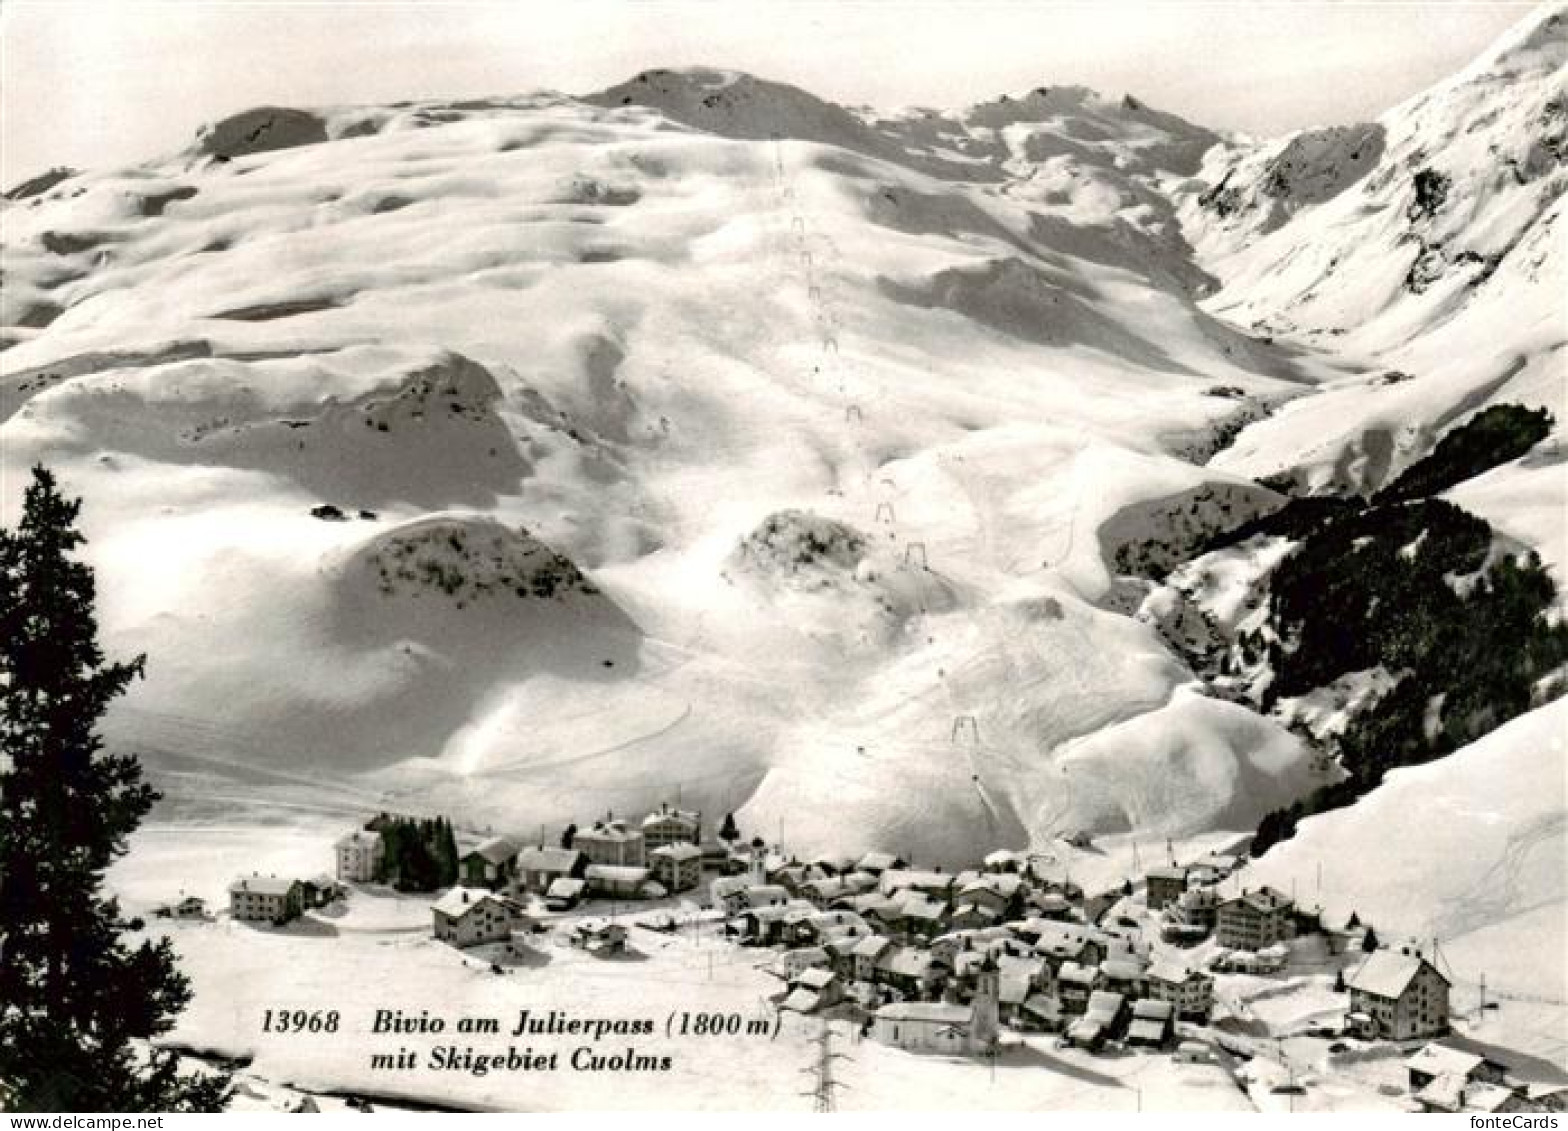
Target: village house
{"type": "Point", "coordinates": [1190, 992]}
{"type": "Point", "coordinates": [1152, 1023]}
{"type": "Point", "coordinates": [1053, 905]}
{"type": "Point", "coordinates": [602, 937]}
{"type": "Point", "coordinates": [1103, 1018]}
{"type": "Point", "coordinates": [867, 953]}
{"type": "Point", "coordinates": [678, 865]}
{"type": "Point", "coordinates": [266, 899]}
{"type": "Point", "coordinates": [938, 1027]}
{"type": "Point", "coordinates": [791, 876]}
{"type": "Point", "coordinates": [1438, 1059]}
{"type": "Point", "coordinates": [1075, 985]}
{"type": "Point", "coordinates": [610, 881]}
{"type": "Point", "coordinates": [823, 891]}
{"type": "Point", "coordinates": [540, 866]}
{"type": "Point", "coordinates": [1397, 995]}
{"type": "Point", "coordinates": [1451, 1094]}
{"type": "Point", "coordinates": [922, 917]}
{"type": "Point", "coordinates": [858, 882]}
{"type": "Point", "coordinates": [1254, 920]}
{"type": "Point", "coordinates": [1122, 975]}
{"type": "Point", "coordinates": [1215, 866]}
{"type": "Point", "coordinates": [789, 964]}
{"type": "Point", "coordinates": [1449, 1077]}
{"type": "Point", "coordinates": [1546, 1095]}
{"type": "Point", "coordinates": [612, 842]}
{"type": "Point", "coordinates": [972, 916]}
{"type": "Point", "coordinates": [798, 929]}
{"type": "Point", "coordinates": [728, 893]}
{"type": "Point", "coordinates": [1003, 860]}
{"type": "Point", "coordinates": [1022, 979]}
{"type": "Point", "coordinates": [878, 862]}
{"type": "Point", "coordinates": [1065, 942]}
{"type": "Point", "coordinates": [882, 913]}
{"type": "Point", "coordinates": [191, 907]}
{"type": "Point", "coordinates": [1001, 893]}
{"type": "Point", "coordinates": [1041, 1013]}
{"type": "Point", "coordinates": [321, 889]}
{"type": "Point", "coordinates": [671, 826]}
{"type": "Point", "coordinates": [755, 895]}
{"type": "Point", "coordinates": [813, 989]}
{"type": "Point", "coordinates": [470, 916]}
{"type": "Point", "coordinates": [491, 864]}
{"type": "Point", "coordinates": [565, 894]}
{"type": "Point", "coordinates": [827, 925]}
{"type": "Point", "coordinates": [898, 881]}
{"type": "Point", "coordinates": [759, 926]}
{"type": "Point", "coordinates": [1198, 908]}
{"type": "Point", "coordinates": [907, 970]}
{"type": "Point", "coordinates": [359, 856]}
{"type": "Point", "coordinates": [1164, 886]}
{"type": "Point", "coordinates": [825, 865]}
{"type": "Point", "coordinates": [841, 956]}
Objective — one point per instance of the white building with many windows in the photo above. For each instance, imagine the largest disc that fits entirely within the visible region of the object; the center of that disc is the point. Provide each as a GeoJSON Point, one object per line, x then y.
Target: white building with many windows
{"type": "Point", "coordinates": [359, 856]}
{"type": "Point", "coordinates": [1397, 995]}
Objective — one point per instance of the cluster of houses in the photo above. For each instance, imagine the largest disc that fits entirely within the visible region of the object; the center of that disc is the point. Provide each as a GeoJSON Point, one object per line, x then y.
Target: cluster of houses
{"type": "Point", "coordinates": [937, 961]}
{"type": "Point", "coordinates": [1395, 994]}
{"type": "Point", "coordinates": [935, 954]}
{"type": "Point", "coordinates": [612, 859]}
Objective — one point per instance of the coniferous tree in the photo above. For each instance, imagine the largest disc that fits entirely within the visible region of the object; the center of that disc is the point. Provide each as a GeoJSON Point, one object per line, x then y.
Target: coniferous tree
{"type": "Point", "coordinates": [77, 1000]}
{"type": "Point", "coordinates": [1369, 941]}
{"type": "Point", "coordinates": [448, 855]}
{"type": "Point", "coordinates": [728, 832]}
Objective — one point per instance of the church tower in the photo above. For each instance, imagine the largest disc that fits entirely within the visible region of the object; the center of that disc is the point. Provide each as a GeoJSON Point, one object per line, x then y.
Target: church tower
{"type": "Point", "coordinates": [984, 1022]}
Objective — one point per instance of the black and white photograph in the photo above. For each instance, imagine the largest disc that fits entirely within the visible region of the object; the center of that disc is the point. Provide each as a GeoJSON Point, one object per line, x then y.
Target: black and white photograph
{"type": "Point", "coordinates": [784, 556]}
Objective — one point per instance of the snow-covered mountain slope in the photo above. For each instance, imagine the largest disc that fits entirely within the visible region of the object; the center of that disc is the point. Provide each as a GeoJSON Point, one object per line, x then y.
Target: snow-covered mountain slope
{"type": "Point", "coordinates": [530, 457]}
{"type": "Point", "coordinates": [1425, 246]}
{"type": "Point", "coordinates": [636, 341]}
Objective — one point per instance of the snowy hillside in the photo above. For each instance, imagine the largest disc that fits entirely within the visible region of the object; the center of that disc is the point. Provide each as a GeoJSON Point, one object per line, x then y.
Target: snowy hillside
{"type": "Point", "coordinates": [525, 458]}
{"type": "Point", "coordinates": [1424, 250]}
{"type": "Point", "coordinates": [1468, 850]}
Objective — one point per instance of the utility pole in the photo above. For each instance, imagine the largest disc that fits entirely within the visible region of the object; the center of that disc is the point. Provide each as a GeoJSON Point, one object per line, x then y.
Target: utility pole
{"type": "Point", "coordinates": [822, 1092]}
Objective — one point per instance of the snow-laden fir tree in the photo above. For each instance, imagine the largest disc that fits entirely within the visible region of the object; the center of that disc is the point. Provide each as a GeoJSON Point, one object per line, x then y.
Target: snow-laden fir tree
{"type": "Point", "coordinates": [78, 1001]}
